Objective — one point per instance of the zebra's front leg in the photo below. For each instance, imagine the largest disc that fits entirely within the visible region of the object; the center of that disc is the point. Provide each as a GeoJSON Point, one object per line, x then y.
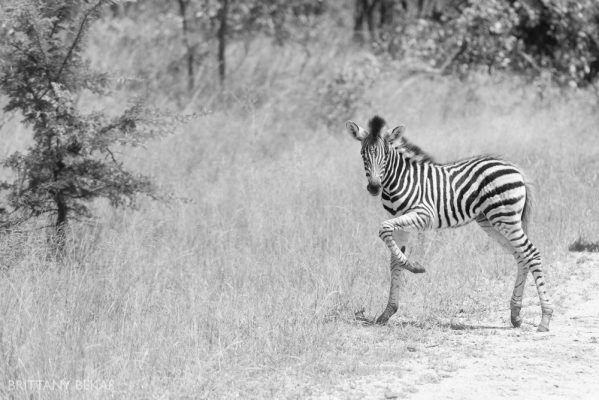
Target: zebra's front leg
{"type": "Point", "coordinates": [401, 239]}
{"type": "Point", "coordinates": [391, 232]}
{"type": "Point", "coordinates": [417, 220]}
{"type": "Point", "coordinates": [392, 304]}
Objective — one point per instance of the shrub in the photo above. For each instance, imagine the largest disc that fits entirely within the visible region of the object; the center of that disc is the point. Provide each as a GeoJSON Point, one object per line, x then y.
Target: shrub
{"type": "Point", "coordinates": [72, 159]}
{"type": "Point", "coordinates": [341, 96]}
{"type": "Point", "coordinates": [555, 37]}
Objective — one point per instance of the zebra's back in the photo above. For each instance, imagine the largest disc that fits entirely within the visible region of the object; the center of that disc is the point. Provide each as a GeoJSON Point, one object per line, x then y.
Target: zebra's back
{"type": "Point", "coordinates": [478, 187]}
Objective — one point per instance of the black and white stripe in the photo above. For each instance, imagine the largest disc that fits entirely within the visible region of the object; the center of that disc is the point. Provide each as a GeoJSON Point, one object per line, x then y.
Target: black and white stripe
{"type": "Point", "coordinates": [421, 194]}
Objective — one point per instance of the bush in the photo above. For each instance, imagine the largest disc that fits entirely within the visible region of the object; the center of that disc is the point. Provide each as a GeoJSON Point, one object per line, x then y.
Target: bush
{"type": "Point", "coordinates": [72, 159]}
{"type": "Point", "coordinates": [341, 96]}
{"type": "Point", "coordinates": [559, 38]}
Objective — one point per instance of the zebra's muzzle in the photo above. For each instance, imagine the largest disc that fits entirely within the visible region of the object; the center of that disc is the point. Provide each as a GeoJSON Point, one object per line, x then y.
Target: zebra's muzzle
{"type": "Point", "coordinates": [373, 189]}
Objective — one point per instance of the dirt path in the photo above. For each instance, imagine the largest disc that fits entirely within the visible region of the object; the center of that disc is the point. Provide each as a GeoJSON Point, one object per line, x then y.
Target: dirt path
{"type": "Point", "coordinates": [487, 362]}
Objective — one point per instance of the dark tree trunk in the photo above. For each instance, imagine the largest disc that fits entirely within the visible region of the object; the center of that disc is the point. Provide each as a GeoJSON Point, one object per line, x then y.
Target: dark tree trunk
{"type": "Point", "coordinates": [359, 21]}
{"type": "Point", "coordinates": [61, 214]}
{"type": "Point", "coordinates": [421, 5]}
{"type": "Point", "coordinates": [190, 56]}
{"type": "Point", "coordinates": [386, 13]}
{"type": "Point", "coordinates": [61, 221]}
{"type": "Point", "coordinates": [370, 17]}
{"type": "Point", "coordinates": [61, 205]}
{"type": "Point", "coordinates": [222, 41]}
{"type": "Point", "coordinates": [364, 10]}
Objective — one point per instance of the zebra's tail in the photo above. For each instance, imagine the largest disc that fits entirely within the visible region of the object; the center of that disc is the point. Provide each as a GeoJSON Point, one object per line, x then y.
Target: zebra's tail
{"type": "Point", "coordinates": [526, 212]}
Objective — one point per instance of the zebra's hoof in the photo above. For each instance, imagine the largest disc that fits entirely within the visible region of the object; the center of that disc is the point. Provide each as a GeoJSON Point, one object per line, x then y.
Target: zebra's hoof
{"type": "Point", "coordinates": [382, 320]}
{"type": "Point", "coordinates": [516, 321]}
{"type": "Point", "coordinates": [544, 325]}
{"type": "Point", "coordinates": [542, 328]}
{"type": "Point", "coordinates": [417, 268]}
{"type": "Point", "coordinates": [515, 315]}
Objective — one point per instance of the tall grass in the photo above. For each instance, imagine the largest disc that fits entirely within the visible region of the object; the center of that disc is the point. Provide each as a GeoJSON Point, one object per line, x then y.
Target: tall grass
{"type": "Point", "coordinates": [246, 284]}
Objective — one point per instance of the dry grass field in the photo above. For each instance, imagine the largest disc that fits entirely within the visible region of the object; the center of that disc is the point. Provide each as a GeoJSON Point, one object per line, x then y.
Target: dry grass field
{"type": "Point", "coordinates": [245, 284]}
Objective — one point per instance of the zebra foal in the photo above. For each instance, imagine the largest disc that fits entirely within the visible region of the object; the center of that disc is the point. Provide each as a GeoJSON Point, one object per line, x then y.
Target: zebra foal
{"type": "Point", "coordinates": [421, 194]}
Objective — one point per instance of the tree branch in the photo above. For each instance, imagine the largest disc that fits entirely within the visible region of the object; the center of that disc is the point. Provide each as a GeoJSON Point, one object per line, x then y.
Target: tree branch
{"type": "Point", "coordinates": [79, 35]}
{"type": "Point", "coordinates": [447, 63]}
{"type": "Point", "coordinates": [530, 61]}
{"type": "Point", "coordinates": [119, 165]}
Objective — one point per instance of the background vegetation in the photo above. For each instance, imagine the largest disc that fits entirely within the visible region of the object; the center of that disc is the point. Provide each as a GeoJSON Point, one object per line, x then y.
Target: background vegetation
{"type": "Point", "coordinates": [246, 282]}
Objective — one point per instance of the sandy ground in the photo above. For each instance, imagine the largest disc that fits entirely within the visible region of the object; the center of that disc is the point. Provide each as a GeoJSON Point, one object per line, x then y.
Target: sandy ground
{"type": "Point", "coordinates": [489, 360]}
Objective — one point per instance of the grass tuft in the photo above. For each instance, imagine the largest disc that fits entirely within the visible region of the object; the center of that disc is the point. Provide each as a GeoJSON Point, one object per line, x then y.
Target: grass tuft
{"type": "Point", "coordinates": [581, 244]}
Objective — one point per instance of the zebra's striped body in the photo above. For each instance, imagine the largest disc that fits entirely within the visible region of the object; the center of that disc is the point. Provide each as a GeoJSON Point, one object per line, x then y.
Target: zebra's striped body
{"type": "Point", "coordinates": [451, 194]}
{"type": "Point", "coordinates": [422, 195]}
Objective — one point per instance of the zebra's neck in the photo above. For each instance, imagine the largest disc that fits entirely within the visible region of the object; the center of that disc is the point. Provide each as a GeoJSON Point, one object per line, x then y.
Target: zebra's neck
{"type": "Point", "coordinates": [400, 162]}
{"type": "Point", "coordinates": [403, 181]}
{"type": "Point", "coordinates": [412, 151]}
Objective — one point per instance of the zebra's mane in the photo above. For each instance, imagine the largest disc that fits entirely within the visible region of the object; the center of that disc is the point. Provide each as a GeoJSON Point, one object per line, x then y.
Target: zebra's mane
{"type": "Point", "coordinates": [403, 145]}
{"type": "Point", "coordinates": [412, 151]}
{"type": "Point", "coordinates": [375, 126]}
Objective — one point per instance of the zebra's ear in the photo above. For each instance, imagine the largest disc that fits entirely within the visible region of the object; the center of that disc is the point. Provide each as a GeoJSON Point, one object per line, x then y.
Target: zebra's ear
{"type": "Point", "coordinates": [396, 133]}
{"type": "Point", "coordinates": [355, 130]}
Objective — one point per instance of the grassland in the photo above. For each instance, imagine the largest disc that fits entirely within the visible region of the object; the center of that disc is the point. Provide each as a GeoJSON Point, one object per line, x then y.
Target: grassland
{"type": "Point", "coordinates": [245, 285]}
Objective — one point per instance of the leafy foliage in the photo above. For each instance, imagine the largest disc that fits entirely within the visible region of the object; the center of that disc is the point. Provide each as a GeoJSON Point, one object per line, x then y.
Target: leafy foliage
{"type": "Point", "coordinates": [341, 96]}
{"type": "Point", "coordinates": [272, 17]}
{"type": "Point", "coordinates": [559, 38]}
{"type": "Point", "coordinates": [72, 159]}
{"type": "Point", "coordinates": [197, 36]}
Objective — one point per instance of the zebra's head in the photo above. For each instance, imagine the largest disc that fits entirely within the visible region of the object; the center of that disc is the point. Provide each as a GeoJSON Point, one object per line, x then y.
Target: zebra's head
{"type": "Point", "coordinates": [376, 147]}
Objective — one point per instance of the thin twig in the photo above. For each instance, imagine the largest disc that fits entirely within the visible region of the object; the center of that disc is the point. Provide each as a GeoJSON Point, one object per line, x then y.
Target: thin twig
{"type": "Point", "coordinates": [30, 230]}
{"type": "Point", "coordinates": [78, 36]}
{"type": "Point", "coordinates": [530, 61]}
{"type": "Point", "coordinates": [119, 165]}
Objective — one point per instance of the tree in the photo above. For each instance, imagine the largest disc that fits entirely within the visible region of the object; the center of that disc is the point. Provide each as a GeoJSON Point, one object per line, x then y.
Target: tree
{"type": "Point", "coordinates": [189, 48]}
{"type": "Point", "coordinates": [240, 18]}
{"type": "Point", "coordinates": [379, 14]}
{"type": "Point", "coordinates": [223, 16]}
{"type": "Point", "coordinates": [222, 21]}
{"type": "Point", "coordinates": [557, 37]}
{"type": "Point", "coordinates": [533, 38]}
{"type": "Point", "coordinates": [72, 160]}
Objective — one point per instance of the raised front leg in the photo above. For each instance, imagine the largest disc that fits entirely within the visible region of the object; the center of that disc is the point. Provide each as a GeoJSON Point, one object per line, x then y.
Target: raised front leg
{"type": "Point", "coordinates": [416, 220]}
{"type": "Point", "coordinates": [391, 232]}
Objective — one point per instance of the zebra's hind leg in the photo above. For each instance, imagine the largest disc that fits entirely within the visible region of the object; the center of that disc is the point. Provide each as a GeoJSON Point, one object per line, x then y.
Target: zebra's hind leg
{"type": "Point", "coordinates": [529, 259]}
{"type": "Point", "coordinates": [516, 300]}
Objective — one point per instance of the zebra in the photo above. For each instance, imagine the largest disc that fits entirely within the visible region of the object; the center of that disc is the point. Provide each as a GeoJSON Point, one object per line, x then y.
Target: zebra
{"type": "Point", "coordinates": [421, 194]}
